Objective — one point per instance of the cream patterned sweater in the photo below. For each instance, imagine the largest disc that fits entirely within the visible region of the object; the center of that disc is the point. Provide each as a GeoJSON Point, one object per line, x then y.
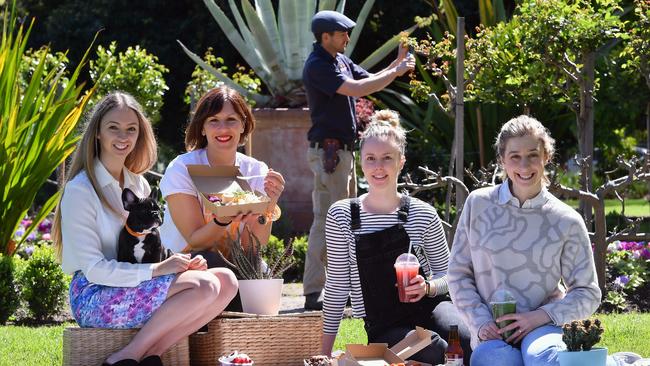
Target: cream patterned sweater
{"type": "Point", "coordinates": [540, 252]}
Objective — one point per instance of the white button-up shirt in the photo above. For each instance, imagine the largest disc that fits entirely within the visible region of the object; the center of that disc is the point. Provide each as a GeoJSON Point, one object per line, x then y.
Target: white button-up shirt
{"type": "Point", "coordinates": [91, 230]}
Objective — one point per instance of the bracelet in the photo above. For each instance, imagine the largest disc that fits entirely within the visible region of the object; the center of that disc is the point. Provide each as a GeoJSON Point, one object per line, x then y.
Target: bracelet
{"type": "Point", "coordinates": [274, 213]}
{"type": "Point", "coordinates": [427, 288]}
{"type": "Point", "coordinates": [221, 224]}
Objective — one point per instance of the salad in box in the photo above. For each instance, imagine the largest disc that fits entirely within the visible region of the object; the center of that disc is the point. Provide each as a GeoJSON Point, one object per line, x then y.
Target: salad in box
{"type": "Point", "coordinates": [223, 194]}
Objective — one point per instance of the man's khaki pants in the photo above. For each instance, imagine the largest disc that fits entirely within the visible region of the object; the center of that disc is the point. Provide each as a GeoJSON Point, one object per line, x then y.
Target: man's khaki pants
{"type": "Point", "coordinates": [328, 188]}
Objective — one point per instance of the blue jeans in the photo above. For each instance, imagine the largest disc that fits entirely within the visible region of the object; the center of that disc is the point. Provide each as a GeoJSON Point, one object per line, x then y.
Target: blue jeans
{"type": "Point", "coordinates": [538, 348]}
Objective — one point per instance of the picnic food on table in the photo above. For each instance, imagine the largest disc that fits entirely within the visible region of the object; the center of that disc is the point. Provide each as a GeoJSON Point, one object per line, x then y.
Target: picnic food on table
{"type": "Point", "coordinates": [320, 360]}
{"type": "Point", "coordinates": [236, 358]}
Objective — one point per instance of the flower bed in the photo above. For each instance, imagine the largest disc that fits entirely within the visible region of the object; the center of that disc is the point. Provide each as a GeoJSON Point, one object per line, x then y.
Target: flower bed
{"type": "Point", "coordinates": [628, 279]}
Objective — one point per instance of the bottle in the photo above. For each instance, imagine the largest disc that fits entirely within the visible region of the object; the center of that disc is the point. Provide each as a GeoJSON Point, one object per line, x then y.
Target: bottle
{"type": "Point", "coordinates": [454, 354]}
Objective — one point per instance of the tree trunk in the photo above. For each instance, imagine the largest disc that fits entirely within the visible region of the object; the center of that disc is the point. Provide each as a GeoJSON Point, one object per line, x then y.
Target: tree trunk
{"type": "Point", "coordinates": [586, 126]}
{"type": "Point", "coordinates": [460, 99]}
{"type": "Point", "coordinates": [600, 243]}
{"type": "Point", "coordinates": [479, 128]}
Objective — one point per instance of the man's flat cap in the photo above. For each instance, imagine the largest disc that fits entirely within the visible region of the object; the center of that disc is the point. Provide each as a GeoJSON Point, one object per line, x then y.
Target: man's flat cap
{"type": "Point", "coordinates": [330, 21]}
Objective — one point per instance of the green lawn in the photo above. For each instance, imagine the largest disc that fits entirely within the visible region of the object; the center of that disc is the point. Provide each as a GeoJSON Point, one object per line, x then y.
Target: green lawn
{"type": "Point", "coordinates": [32, 346]}
{"type": "Point", "coordinates": [633, 207]}
{"type": "Point", "coordinates": [623, 332]}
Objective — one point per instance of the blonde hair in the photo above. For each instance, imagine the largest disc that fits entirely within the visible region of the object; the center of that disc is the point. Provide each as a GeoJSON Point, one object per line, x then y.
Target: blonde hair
{"type": "Point", "coordinates": [524, 126]}
{"type": "Point", "coordinates": [140, 160]}
{"type": "Point", "coordinates": [385, 124]}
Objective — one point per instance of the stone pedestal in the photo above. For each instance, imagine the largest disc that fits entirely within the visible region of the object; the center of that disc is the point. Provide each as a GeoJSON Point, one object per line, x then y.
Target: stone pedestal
{"type": "Point", "coordinates": [280, 140]}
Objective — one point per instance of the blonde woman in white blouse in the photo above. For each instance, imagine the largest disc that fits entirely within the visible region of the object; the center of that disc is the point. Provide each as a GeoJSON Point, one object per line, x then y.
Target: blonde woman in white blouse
{"type": "Point", "coordinates": [167, 300]}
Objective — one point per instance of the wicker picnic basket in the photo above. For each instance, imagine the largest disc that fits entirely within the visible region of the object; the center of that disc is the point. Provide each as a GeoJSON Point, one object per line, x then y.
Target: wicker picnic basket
{"type": "Point", "coordinates": [91, 346]}
{"type": "Point", "coordinates": [277, 340]}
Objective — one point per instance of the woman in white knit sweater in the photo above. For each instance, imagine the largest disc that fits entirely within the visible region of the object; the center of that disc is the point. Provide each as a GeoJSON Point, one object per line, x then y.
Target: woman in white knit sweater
{"type": "Point", "coordinates": [519, 237]}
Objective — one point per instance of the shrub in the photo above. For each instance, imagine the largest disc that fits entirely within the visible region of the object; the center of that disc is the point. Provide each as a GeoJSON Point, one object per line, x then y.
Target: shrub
{"type": "Point", "coordinates": [133, 71]}
{"type": "Point", "coordinates": [203, 81]}
{"type": "Point", "coordinates": [43, 283]}
{"type": "Point", "coordinates": [276, 246]}
{"type": "Point", "coordinates": [9, 299]}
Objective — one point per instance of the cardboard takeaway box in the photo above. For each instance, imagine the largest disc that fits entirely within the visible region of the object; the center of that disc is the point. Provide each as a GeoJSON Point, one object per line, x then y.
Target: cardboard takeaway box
{"type": "Point", "coordinates": [220, 179]}
{"type": "Point", "coordinates": [378, 354]}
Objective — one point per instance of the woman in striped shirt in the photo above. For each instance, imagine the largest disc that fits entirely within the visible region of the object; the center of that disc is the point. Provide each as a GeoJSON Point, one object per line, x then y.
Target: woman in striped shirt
{"type": "Point", "coordinates": [364, 237]}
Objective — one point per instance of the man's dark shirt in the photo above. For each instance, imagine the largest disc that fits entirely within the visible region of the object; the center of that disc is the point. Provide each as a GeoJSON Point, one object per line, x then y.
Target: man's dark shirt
{"type": "Point", "coordinates": [332, 114]}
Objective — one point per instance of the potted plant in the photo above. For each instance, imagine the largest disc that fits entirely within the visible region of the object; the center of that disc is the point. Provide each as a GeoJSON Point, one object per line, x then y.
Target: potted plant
{"type": "Point", "coordinates": [580, 336]}
{"type": "Point", "coordinates": [260, 286]}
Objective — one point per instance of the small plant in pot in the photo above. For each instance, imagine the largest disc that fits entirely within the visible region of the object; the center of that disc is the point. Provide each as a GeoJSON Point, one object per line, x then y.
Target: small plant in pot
{"type": "Point", "coordinates": [260, 286]}
{"type": "Point", "coordinates": [580, 336]}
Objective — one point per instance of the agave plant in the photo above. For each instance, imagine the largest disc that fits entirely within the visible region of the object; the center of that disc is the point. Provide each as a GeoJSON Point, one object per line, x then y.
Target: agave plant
{"type": "Point", "coordinates": [37, 124]}
{"type": "Point", "coordinates": [249, 261]}
{"type": "Point", "coordinates": [276, 47]}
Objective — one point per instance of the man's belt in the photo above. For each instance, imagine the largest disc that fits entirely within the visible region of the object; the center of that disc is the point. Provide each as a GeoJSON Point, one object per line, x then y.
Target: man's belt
{"type": "Point", "coordinates": [340, 145]}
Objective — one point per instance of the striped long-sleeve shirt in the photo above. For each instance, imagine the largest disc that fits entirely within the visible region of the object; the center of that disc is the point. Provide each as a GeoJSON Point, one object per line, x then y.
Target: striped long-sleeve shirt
{"type": "Point", "coordinates": [429, 245]}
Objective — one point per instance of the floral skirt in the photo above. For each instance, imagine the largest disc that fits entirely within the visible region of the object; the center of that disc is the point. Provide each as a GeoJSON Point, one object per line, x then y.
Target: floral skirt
{"type": "Point", "coordinates": [98, 306]}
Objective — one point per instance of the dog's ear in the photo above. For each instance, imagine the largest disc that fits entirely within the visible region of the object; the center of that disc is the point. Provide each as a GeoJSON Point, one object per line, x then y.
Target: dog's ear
{"type": "Point", "coordinates": [128, 198]}
{"type": "Point", "coordinates": [155, 194]}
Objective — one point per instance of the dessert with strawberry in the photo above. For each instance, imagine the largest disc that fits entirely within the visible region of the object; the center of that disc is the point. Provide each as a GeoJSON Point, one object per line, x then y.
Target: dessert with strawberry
{"type": "Point", "coordinates": [236, 359]}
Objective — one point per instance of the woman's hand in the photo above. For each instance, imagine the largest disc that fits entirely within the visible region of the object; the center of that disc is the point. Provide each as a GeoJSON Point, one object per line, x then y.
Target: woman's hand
{"type": "Point", "coordinates": [178, 262]}
{"type": "Point", "coordinates": [416, 289]}
{"type": "Point", "coordinates": [273, 185]}
{"type": "Point", "coordinates": [198, 263]}
{"type": "Point", "coordinates": [489, 331]}
{"type": "Point", "coordinates": [523, 324]}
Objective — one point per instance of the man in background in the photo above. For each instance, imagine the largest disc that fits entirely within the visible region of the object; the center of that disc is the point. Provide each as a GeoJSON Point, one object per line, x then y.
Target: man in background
{"type": "Point", "coordinates": [333, 82]}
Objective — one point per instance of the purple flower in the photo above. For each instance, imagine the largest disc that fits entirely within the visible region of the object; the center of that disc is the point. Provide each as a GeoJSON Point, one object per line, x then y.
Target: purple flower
{"type": "Point", "coordinates": [31, 236]}
{"type": "Point", "coordinates": [645, 253]}
{"type": "Point", "coordinates": [45, 226]}
{"type": "Point", "coordinates": [621, 281]}
{"type": "Point", "coordinates": [20, 232]}
{"type": "Point", "coordinates": [25, 222]}
{"type": "Point", "coordinates": [29, 250]}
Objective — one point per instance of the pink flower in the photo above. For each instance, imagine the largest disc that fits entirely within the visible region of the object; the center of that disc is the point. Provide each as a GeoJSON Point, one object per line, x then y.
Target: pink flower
{"type": "Point", "coordinates": [46, 236]}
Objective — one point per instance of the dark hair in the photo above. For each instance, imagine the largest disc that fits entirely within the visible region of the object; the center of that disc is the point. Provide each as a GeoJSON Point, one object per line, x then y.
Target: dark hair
{"type": "Point", "coordinates": [210, 104]}
{"type": "Point", "coordinates": [319, 36]}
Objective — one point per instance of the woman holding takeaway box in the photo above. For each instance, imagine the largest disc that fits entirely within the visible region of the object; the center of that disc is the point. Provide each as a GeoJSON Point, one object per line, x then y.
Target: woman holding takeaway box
{"type": "Point", "coordinates": [520, 238]}
{"type": "Point", "coordinates": [221, 122]}
{"type": "Point", "coordinates": [364, 238]}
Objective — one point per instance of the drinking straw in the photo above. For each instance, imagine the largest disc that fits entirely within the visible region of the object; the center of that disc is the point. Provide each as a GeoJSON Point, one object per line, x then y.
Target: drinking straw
{"type": "Point", "coordinates": [410, 246]}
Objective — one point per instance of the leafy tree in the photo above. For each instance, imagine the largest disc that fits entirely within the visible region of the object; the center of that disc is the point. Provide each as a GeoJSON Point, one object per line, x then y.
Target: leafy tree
{"type": "Point", "coordinates": [134, 71]}
{"type": "Point", "coordinates": [637, 50]}
{"type": "Point", "coordinates": [562, 42]}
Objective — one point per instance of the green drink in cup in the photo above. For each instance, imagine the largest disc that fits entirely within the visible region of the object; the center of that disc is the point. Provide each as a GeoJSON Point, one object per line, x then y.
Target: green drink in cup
{"type": "Point", "coordinates": [503, 303]}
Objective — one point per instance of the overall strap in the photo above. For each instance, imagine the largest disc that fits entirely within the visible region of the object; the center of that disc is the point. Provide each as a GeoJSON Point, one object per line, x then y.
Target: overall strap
{"type": "Point", "coordinates": [355, 215]}
{"type": "Point", "coordinates": [403, 212]}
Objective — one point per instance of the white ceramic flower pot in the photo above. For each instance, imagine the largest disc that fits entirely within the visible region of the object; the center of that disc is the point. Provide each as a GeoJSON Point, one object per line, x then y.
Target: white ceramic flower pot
{"type": "Point", "coordinates": [597, 356]}
{"type": "Point", "coordinates": [261, 297]}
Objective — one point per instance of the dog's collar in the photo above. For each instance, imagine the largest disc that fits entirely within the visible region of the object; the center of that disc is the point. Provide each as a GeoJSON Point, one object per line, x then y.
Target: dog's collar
{"type": "Point", "coordinates": [135, 233]}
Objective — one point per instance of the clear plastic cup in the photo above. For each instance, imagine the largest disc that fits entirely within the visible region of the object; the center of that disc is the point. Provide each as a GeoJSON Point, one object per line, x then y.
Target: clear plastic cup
{"type": "Point", "coordinates": [406, 267]}
{"type": "Point", "coordinates": [502, 303]}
